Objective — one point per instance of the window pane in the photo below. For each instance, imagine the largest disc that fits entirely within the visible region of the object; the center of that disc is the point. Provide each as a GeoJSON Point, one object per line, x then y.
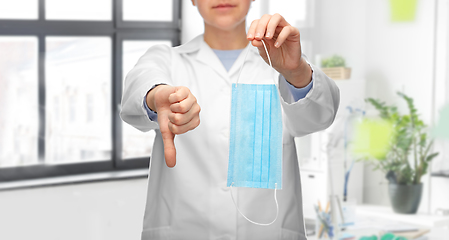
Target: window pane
{"type": "Point", "coordinates": [19, 101]}
{"type": "Point", "coordinates": [148, 10]}
{"type": "Point", "coordinates": [78, 99]}
{"type": "Point", "coordinates": [294, 11]}
{"type": "Point", "coordinates": [97, 10]}
{"type": "Point", "coordinates": [136, 143]}
{"type": "Point", "coordinates": [18, 9]}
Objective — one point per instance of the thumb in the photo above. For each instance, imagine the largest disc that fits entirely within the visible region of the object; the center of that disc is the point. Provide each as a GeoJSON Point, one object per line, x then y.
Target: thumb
{"type": "Point", "coordinates": [169, 146]}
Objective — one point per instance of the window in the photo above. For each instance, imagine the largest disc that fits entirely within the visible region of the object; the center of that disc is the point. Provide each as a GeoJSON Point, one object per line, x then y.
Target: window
{"type": "Point", "coordinates": [18, 9]}
{"type": "Point", "coordinates": [81, 10]}
{"type": "Point", "coordinates": [77, 68]}
{"type": "Point", "coordinates": [440, 165]}
{"type": "Point", "coordinates": [61, 76]}
{"type": "Point", "coordinates": [19, 100]}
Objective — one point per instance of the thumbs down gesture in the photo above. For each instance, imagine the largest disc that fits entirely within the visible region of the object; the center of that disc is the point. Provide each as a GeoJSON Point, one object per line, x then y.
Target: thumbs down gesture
{"type": "Point", "coordinates": [178, 113]}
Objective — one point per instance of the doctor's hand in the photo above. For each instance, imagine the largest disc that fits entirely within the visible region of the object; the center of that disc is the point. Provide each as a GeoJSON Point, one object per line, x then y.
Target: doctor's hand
{"type": "Point", "coordinates": [284, 47]}
{"type": "Point", "coordinates": [178, 113]}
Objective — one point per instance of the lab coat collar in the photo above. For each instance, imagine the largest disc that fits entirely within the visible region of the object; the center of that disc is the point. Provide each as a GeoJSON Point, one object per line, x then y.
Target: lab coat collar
{"type": "Point", "coordinates": [238, 64]}
{"type": "Point", "coordinates": [206, 55]}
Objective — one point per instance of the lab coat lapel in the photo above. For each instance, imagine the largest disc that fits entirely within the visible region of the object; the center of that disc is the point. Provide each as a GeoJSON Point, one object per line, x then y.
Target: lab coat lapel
{"type": "Point", "coordinates": [207, 56]}
{"type": "Point", "coordinates": [238, 64]}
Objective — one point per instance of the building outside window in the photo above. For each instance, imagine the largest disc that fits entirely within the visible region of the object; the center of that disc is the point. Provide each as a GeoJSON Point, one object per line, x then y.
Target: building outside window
{"type": "Point", "coordinates": [62, 68]}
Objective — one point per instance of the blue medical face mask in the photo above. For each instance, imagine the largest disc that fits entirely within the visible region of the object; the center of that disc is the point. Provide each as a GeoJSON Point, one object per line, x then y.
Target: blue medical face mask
{"type": "Point", "coordinates": [255, 151]}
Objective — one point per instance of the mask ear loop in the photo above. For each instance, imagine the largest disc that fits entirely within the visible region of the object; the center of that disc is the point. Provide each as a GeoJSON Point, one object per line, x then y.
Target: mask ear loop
{"type": "Point", "coordinates": [256, 223]}
{"type": "Point", "coordinates": [244, 60]}
{"type": "Point", "coordinates": [275, 185]}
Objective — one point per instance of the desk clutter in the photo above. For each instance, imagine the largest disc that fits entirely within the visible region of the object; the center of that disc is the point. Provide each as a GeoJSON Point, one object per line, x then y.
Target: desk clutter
{"type": "Point", "coordinates": [324, 228]}
{"type": "Point", "coordinates": [374, 223]}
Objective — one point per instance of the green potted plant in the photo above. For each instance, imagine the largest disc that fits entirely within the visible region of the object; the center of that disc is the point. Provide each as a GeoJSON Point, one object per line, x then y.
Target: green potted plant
{"type": "Point", "coordinates": [408, 155]}
{"type": "Point", "coordinates": [335, 68]}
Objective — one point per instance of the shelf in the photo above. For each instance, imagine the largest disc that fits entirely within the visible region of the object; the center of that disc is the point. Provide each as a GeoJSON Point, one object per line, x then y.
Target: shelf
{"type": "Point", "coordinates": [441, 174]}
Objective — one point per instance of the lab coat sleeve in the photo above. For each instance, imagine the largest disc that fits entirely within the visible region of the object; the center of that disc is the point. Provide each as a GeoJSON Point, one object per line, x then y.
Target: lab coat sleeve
{"type": "Point", "coordinates": [297, 93]}
{"type": "Point", "coordinates": [316, 111]}
{"type": "Point", "coordinates": [154, 67]}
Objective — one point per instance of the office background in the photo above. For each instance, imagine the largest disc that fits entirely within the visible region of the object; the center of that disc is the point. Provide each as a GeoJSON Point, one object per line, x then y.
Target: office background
{"type": "Point", "coordinates": [70, 169]}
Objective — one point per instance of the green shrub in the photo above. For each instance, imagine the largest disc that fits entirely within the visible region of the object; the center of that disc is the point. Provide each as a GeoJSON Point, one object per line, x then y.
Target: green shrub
{"type": "Point", "coordinates": [409, 142]}
{"type": "Point", "coordinates": [334, 61]}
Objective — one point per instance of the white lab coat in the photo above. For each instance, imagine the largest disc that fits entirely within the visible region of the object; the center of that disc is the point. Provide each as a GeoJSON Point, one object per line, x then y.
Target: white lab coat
{"type": "Point", "coordinates": [191, 200]}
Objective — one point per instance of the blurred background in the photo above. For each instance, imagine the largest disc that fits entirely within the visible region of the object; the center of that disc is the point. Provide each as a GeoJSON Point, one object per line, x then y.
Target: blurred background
{"type": "Point", "coordinates": [70, 169]}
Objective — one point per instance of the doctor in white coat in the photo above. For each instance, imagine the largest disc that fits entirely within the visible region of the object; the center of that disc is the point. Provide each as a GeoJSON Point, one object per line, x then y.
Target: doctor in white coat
{"type": "Point", "coordinates": [171, 89]}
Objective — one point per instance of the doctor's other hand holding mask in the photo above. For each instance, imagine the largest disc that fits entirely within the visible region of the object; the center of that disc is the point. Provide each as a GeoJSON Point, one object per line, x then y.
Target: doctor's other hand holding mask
{"type": "Point", "coordinates": [178, 112]}
{"type": "Point", "coordinates": [284, 46]}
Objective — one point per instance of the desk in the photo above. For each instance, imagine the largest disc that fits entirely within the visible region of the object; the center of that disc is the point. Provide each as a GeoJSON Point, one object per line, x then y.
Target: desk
{"type": "Point", "coordinates": [372, 219]}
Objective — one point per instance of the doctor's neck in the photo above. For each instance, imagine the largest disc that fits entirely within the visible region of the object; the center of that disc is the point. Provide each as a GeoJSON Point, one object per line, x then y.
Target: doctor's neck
{"type": "Point", "coordinates": [221, 39]}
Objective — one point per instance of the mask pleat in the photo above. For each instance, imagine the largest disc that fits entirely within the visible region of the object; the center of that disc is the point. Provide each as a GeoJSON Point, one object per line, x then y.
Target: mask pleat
{"type": "Point", "coordinates": [266, 140]}
{"type": "Point", "coordinates": [247, 101]}
{"type": "Point", "coordinates": [258, 119]}
{"type": "Point", "coordinates": [233, 132]}
{"type": "Point", "coordinates": [275, 146]}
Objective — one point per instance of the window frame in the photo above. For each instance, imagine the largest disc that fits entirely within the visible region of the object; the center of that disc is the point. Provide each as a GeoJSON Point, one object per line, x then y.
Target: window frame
{"type": "Point", "coordinates": [440, 165]}
{"type": "Point", "coordinates": [118, 31]}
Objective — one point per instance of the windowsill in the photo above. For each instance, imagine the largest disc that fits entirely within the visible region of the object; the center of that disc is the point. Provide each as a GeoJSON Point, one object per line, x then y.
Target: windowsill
{"type": "Point", "coordinates": [441, 174]}
{"type": "Point", "coordinates": [81, 178]}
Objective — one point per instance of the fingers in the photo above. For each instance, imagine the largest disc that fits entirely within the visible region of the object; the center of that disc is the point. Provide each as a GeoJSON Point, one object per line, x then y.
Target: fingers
{"type": "Point", "coordinates": [261, 27]}
{"type": "Point", "coordinates": [184, 115]}
{"type": "Point", "coordinates": [267, 26]}
{"type": "Point", "coordinates": [252, 30]}
{"type": "Point", "coordinates": [183, 105]}
{"type": "Point", "coordinates": [180, 94]}
{"type": "Point", "coordinates": [272, 25]}
{"type": "Point", "coordinates": [272, 28]}
{"type": "Point", "coordinates": [183, 122]}
{"type": "Point", "coordinates": [284, 34]}
{"type": "Point", "coordinates": [180, 129]}
{"type": "Point", "coordinates": [183, 118]}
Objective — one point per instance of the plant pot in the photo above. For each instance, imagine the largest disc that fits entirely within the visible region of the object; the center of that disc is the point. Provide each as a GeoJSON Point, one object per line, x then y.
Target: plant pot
{"type": "Point", "coordinates": [405, 198]}
{"type": "Point", "coordinates": [403, 10]}
{"type": "Point", "coordinates": [337, 73]}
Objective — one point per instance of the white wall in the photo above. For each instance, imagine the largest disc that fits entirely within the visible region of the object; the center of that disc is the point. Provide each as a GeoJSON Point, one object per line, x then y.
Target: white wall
{"type": "Point", "coordinates": [400, 55]}
{"type": "Point", "coordinates": [110, 210]}
{"type": "Point", "coordinates": [341, 27]}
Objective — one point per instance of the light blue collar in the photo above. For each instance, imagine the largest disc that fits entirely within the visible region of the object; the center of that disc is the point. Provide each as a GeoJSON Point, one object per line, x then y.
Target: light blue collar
{"type": "Point", "coordinates": [227, 57]}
